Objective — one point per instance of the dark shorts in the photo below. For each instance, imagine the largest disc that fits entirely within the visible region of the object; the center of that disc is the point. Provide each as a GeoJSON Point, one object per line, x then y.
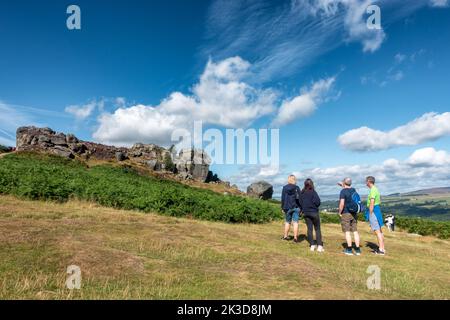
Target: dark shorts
{"type": "Point", "coordinates": [349, 223]}
{"type": "Point", "coordinates": [292, 215]}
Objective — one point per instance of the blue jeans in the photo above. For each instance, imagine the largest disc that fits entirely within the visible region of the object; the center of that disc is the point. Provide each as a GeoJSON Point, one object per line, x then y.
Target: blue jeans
{"type": "Point", "coordinates": [292, 215]}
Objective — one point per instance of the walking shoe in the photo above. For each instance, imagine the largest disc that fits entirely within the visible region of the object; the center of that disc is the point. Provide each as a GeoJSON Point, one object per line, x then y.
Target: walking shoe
{"type": "Point", "coordinates": [285, 238]}
{"type": "Point", "coordinates": [320, 249]}
{"type": "Point", "coordinates": [380, 253]}
{"type": "Point", "coordinates": [295, 240]}
{"type": "Point", "coordinates": [348, 252]}
{"type": "Point", "coordinates": [358, 251]}
{"type": "Point", "coordinates": [312, 248]}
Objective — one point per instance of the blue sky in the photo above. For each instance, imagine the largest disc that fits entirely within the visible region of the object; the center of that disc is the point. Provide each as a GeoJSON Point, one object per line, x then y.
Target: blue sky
{"type": "Point", "coordinates": [344, 97]}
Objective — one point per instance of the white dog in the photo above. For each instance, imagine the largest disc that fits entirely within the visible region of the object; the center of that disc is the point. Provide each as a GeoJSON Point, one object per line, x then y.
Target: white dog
{"type": "Point", "coordinates": [390, 222]}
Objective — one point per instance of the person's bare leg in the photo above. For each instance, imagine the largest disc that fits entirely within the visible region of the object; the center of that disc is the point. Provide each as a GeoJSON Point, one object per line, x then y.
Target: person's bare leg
{"type": "Point", "coordinates": [295, 230]}
{"type": "Point", "coordinates": [287, 227]}
{"type": "Point", "coordinates": [357, 240]}
{"type": "Point", "coordinates": [348, 237]}
{"type": "Point", "coordinates": [380, 237]}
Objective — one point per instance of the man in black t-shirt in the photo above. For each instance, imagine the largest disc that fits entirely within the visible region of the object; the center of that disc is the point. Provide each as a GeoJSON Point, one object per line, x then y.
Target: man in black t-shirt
{"type": "Point", "coordinates": [349, 221]}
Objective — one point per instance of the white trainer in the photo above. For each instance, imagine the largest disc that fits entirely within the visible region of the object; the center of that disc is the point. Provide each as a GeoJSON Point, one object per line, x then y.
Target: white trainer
{"type": "Point", "coordinates": [320, 249]}
{"type": "Point", "coordinates": [313, 248]}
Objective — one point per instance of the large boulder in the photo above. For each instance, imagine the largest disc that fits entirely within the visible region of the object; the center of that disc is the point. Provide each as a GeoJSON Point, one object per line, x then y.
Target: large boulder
{"type": "Point", "coordinates": [155, 165]}
{"type": "Point", "coordinates": [193, 163]}
{"type": "Point", "coordinates": [261, 190]}
{"type": "Point", "coordinates": [121, 156]}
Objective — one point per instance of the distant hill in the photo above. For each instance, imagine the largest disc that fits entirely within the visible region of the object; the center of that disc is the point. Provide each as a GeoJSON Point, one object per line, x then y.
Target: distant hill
{"type": "Point", "coordinates": [431, 191]}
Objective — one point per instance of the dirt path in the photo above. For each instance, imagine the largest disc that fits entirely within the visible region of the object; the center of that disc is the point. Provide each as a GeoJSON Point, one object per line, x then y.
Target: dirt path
{"type": "Point", "coordinates": [4, 154]}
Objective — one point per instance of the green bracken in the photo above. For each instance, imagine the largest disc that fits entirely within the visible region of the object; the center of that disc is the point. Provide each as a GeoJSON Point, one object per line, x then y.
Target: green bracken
{"type": "Point", "coordinates": [47, 177]}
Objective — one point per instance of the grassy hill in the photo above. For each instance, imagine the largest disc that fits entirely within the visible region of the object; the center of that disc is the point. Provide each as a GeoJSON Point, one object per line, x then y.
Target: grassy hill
{"type": "Point", "coordinates": [126, 254]}
{"type": "Point", "coordinates": [430, 191]}
{"type": "Point", "coordinates": [135, 235]}
{"type": "Point", "coordinates": [45, 177]}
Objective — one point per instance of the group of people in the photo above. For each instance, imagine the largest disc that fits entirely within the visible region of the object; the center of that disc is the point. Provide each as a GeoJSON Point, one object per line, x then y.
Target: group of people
{"type": "Point", "coordinates": [296, 202]}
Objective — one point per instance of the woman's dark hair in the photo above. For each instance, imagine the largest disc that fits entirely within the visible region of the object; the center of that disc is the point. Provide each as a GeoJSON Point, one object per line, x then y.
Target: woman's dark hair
{"type": "Point", "coordinates": [309, 185]}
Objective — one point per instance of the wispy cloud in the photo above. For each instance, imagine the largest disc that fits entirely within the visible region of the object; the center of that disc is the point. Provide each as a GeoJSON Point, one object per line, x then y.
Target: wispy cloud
{"type": "Point", "coordinates": [399, 57]}
{"type": "Point", "coordinates": [81, 112]}
{"type": "Point", "coordinates": [395, 72]}
{"type": "Point", "coordinates": [429, 127]}
{"type": "Point", "coordinates": [14, 116]}
{"type": "Point", "coordinates": [11, 118]}
{"type": "Point", "coordinates": [282, 37]}
{"type": "Point", "coordinates": [439, 3]}
{"type": "Point", "coordinates": [6, 138]}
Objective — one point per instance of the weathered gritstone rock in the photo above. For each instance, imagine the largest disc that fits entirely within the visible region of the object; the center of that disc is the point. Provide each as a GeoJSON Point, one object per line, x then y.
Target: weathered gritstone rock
{"type": "Point", "coordinates": [261, 189]}
{"type": "Point", "coordinates": [190, 164]}
{"type": "Point", "coordinates": [121, 156]}
{"type": "Point", "coordinates": [193, 164]}
{"type": "Point", "coordinates": [62, 152]}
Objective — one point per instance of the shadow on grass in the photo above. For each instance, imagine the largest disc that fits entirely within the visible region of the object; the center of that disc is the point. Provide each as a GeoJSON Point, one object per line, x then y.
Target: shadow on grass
{"type": "Point", "coordinates": [344, 245]}
{"type": "Point", "coordinates": [301, 238]}
{"type": "Point", "coordinates": [372, 245]}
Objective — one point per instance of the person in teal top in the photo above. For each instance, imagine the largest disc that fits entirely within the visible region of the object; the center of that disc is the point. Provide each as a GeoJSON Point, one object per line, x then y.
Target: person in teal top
{"type": "Point", "coordinates": [374, 215]}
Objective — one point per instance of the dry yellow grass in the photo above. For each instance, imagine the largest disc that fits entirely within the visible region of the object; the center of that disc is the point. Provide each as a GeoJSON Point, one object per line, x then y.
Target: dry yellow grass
{"type": "Point", "coordinates": [131, 255]}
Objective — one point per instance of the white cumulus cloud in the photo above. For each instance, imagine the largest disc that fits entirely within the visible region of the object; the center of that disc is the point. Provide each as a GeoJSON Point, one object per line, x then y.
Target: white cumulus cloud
{"type": "Point", "coordinates": [221, 97]}
{"type": "Point", "coordinates": [304, 104]}
{"type": "Point", "coordinates": [428, 127]}
{"type": "Point", "coordinates": [429, 157]}
{"type": "Point", "coordinates": [420, 170]}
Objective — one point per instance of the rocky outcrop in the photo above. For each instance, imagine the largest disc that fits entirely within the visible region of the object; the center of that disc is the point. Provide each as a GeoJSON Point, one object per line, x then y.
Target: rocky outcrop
{"type": "Point", "coordinates": [189, 164]}
{"type": "Point", "coordinates": [261, 190]}
{"type": "Point", "coordinates": [192, 164]}
{"type": "Point", "coordinates": [68, 146]}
